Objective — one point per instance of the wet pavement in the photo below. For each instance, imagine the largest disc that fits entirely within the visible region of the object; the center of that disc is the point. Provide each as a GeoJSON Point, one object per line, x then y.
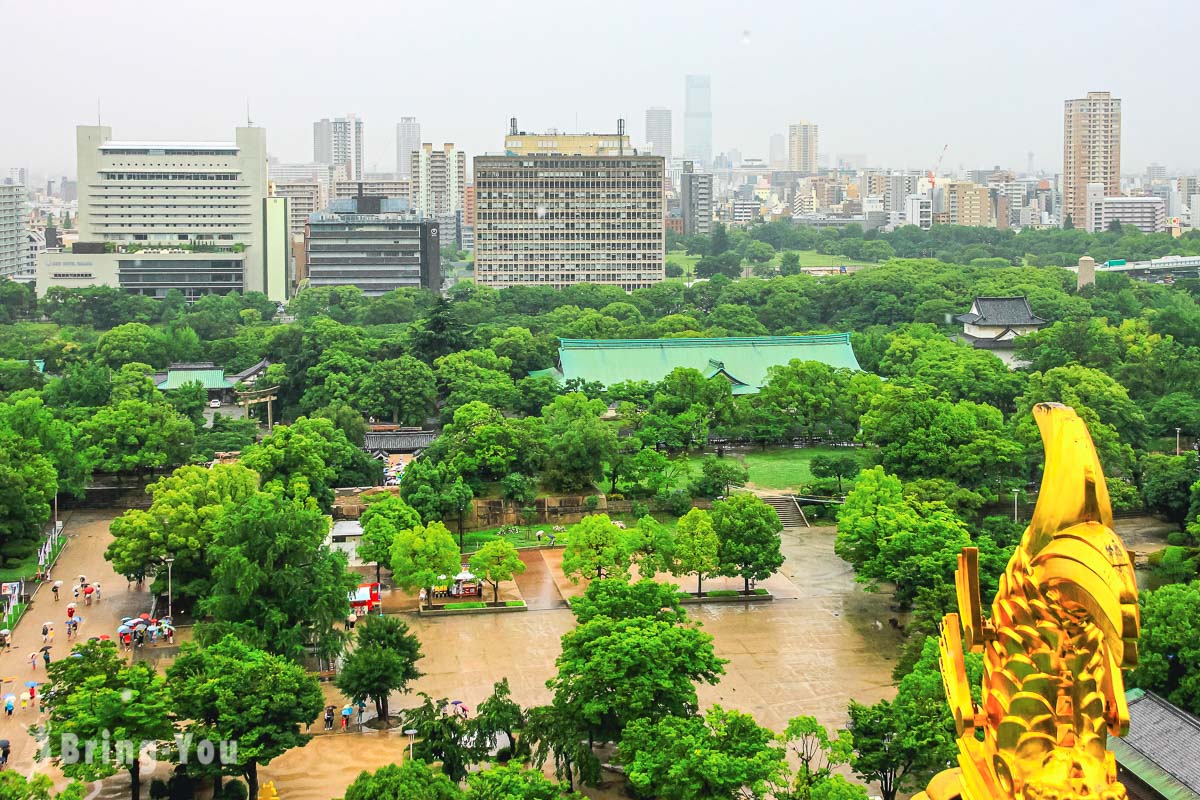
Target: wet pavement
{"type": "Point", "coordinates": [536, 584]}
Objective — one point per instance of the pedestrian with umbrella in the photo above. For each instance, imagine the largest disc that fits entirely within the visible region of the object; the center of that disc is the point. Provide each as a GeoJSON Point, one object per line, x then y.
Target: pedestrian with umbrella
{"type": "Point", "coordinates": [328, 718]}
{"type": "Point", "coordinates": [346, 712]}
{"type": "Point", "coordinates": [32, 686]}
{"type": "Point", "coordinates": [46, 655]}
{"type": "Point", "coordinates": [10, 702]}
{"type": "Point", "coordinates": [5, 750]}
{"type": "Point", "coordinates": [57, 585]}
{"type": "Point", "coordinates": [6, 639]}
{"type": "Point", "coordinates": [33, 657]}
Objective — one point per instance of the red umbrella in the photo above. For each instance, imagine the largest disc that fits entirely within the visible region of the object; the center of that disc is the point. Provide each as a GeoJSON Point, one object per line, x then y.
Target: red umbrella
{"type": "Point", "coordinates": [88, 589]}
{"type": "Point", "coordinates": [104, 637]}
{"type": "Point", "coordinates": [145, 616]}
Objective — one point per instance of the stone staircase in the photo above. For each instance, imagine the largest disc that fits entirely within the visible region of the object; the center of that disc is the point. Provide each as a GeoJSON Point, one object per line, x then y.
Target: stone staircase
{"type": "Point", "coordinates": [785, 507]}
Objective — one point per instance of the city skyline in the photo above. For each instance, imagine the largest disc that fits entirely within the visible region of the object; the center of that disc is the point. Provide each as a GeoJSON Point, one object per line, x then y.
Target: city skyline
{"type": "Point", "coordinates": [859, 113]}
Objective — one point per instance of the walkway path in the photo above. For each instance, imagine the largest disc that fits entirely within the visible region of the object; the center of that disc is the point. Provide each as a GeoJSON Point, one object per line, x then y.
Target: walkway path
{"type": "Point", "coordinates": [537, 584]}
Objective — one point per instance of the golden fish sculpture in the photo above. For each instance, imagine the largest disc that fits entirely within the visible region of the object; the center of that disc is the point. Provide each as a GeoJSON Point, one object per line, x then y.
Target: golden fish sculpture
{"type": "Point", "coordinates": [1064, 624]}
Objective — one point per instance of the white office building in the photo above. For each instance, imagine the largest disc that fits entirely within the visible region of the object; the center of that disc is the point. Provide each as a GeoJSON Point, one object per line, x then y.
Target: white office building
{"type": "Point", "coordinates": [438, 187]}
{"type": "Point", "coordinates": [919, 211]}
{"type": "Point", "coordinates": [13, 240]}
{"type": "Point", "coordinates": [803, 138]}
{"type": "Point", "coordinates": [339, 142]}
{"type": "Point", "coordinates": [408, 141]}
{"type": "Point", "coordinates": [157, 215]}
{"type": "Point", "coordinates": [1147, 214]}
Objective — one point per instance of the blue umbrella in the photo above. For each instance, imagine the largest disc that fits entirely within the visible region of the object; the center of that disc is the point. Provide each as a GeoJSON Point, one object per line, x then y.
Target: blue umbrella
{"type": "Point", "coordinates": [124, 629]}
{"type": "Point", "coordinates": [31, 683]}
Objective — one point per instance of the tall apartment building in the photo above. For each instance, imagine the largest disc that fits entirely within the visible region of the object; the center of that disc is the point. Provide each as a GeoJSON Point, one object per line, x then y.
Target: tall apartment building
{"type": "Point", "coordinates": [1091, 151]}
{"type": "Point", "coordinates": [14, 242]}
{"type": "Point", "coordinates": [918, 210]}
{"type": "Point", "coordinates": [1187, 186]}
{"type": "Point", "coordinates": [1155, 172]}
{"type": "Point", "coordinates": [578, 215]}
{"type": "Point", "coordinates": [777, 151]}
{"type": "Point", "coordinates": [697, 120]}
{"type": "Point", "coordinates": [696, 200]}
{"type": "Point", "coordinates": [802, 147]}
{"type": "Point", "coordinates": [375, 243]}
{"type": "Point", "coordinates": [159, 215]}
{"type": "Point", "coordinates": [658, 132]}
{"type": "Point", "coordinates": [968, 204]}
{"type": "Point", "coordinates": [408, 141]}
{"type": "Point", "coordinates": [304, 200]}
{"type": "Point", "coordinates": [438, 183]}
{"type": "Point", "coordinates": [897, 188]}
{"type": "Point", "coordinates": [339, 142]}
{"type": "Point", "coordinates": [372, 187]}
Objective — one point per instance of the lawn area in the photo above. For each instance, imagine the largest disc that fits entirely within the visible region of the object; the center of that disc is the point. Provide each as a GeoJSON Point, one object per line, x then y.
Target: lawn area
{"type": "Point", "coordinates": [776, 468]}
{"type": "Point", "coordinates": [686, 262]}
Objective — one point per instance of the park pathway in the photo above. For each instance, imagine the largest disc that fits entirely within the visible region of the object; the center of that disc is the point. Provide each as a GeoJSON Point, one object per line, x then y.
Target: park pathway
{"type": "Point", "coordinates": [87, 537]}
{"type": "Point", "coordinates": [537, 584]}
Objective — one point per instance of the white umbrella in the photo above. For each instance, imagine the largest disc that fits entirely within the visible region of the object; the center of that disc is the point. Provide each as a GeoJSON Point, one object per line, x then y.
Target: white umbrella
{"type": "Point", "coordinates": [464, 576]}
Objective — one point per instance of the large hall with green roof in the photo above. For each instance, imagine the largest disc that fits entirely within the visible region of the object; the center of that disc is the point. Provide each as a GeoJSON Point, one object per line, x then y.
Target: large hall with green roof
{"type": "Point", "coordinates": [744, 360]}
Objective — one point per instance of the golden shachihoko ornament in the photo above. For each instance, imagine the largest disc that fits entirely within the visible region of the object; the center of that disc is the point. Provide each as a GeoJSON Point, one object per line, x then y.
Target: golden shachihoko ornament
{"type": "Point", "coordinates": [1064, 624]}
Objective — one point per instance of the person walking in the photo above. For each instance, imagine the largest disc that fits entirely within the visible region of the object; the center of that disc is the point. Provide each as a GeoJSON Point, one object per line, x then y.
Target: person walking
{"type": "Point", "coordinates": [346, 712]}
{"type": "Point", "coordinates": [8, 706]}
{"type": "Point", "coordinates": [328, 718]}
{"type": "Point", "coordinates": [57, 585]}
{"type": "Point", "coordinates": [46, 656]}
{"type": "Point", "coordinates": [45, 632]}
{"type": "Point", "coordinates": [96, 586]}
{"type": "Point", "coordinates": [33, 661]}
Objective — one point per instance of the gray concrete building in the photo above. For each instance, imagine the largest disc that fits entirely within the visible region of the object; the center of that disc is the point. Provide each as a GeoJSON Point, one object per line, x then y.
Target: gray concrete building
{"type": "Point", "coordinates": [696, 200]}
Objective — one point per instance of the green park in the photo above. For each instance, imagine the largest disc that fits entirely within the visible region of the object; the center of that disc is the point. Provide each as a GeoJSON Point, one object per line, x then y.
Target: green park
{"type": "Point", "coordinates": [710, 522]}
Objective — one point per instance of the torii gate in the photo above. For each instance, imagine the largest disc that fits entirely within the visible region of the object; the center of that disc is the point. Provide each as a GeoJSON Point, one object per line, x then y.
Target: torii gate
{"type": "Point", "coordinates": [247, 399]}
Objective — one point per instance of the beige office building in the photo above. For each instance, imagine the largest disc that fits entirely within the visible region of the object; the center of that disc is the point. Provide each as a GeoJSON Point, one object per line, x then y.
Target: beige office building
{"type": "Point", "coordinates": [802, 147]}
{"type": "Point", "coordinates": [372, 187]}
{"type": "Point", "coordinates": [1091, 152]}
{"type": "Point", "coordinates": [304, 200]}
{"type": "Point", "coordinates": [584, 215]}
{"type": "Point", "coordinates": [968, 204]}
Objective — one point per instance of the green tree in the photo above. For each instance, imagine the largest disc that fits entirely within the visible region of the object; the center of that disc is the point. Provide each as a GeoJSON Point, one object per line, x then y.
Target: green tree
{"type": "Point", "coordinates": [401, 388]}
{"type": "Point", "coordinates": [422, 553]}
{"type": "Point", "coordinates": [28, 417]}
{"type": "Point", "coordinates": [595, 548]}
{"type": "Point", "coordinates": [384, 517]}
{"type": "Point", "coordinates": [516, 782]}
{"type": "Point", "coordinates": [1167, 482]}
{"type": "Point", "coordinates": [105, 697]}
{"type": "Point", "coordinates": [697, 547]}
{"type": "Point", "coordinates": [384, 660]}
{"type": "Point", "coordinates": [276, 584]}
{"type": "Point", "coordinates": [304, 459]}
{"type": "Point", "coordinates": [1169, 647]}
{"type": "Point", "coordinates": [555, 733]}
{"type": "Point", "coordinates": [15, 786]}
{"type": "Point", "coordinates": [28, 484]}
{"type": "Point", "coordinates": [894, 745]}
{"type": "Point", "coordinates": [346, 419]}
{"type": "Point", "coordinates": [582, 442]}
{"type": "Point", "coordinates": [498, 560]}
{"type": "Point", "coordinates": [232, 692]}
{"type": "Point", "coordinates": [834, 466]}
{"type": "Point", "coordinates": [718, 476]}
{"type": "Point", "coordinates": [410, 780]}
{"type": "Point", "coordinates": [614, 671]}
{"type": "Point", "coordinates": [440, 332]}
{"type": "Point", "coordinates": [723, 755]}
{"type": "Point", "coordinates": [185, 508]}
{"type": "Point", "coordinates": [818, 753]}
{"type": "Point", "coordinates": [748, 531]}
{"type": "Point", "coordinates": [617, 598]}
{"type": "Point", "coordinates": [132, 342]}
{"type": "Point", "coordinates": [437, 491]}
{"type": "Point", "coordinates": [500, 714]}
{"type": "Point", "coordinates": [189, 400]}
{"type": "Point", "coordinates": [475, 375]}
{"type": "Point", "coordinates": [444, 736]}
{"type": "Point", "coordinates": [136, 436]}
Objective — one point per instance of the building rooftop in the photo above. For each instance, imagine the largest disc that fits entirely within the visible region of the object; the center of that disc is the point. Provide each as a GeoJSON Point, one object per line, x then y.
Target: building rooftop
{"type": "Point", "coordinates": [397, 441]}
{"type": "Point", "coordinates": [1000, 312]}
{"type": "Point", "coordinates": [210, 379]}
{"type": "Point", "coordinates": [214, 146]}
{"type": "Point", "coordinates": [1162, 748]}
{"type": "Point", "coordinates": [744, 360]}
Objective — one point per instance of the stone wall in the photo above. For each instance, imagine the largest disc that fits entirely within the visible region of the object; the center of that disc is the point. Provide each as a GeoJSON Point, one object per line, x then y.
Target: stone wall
{"type": "Point", "coordinates": [562, 510]}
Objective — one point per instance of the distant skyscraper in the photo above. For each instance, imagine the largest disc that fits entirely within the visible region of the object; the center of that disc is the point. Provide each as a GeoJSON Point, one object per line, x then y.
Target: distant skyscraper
{"type": "Point", "coordinates": [697, 119]}
{"type": "Point", "coordinates": [696, 201]}
{"type": "Point", "coordinates": [802, 147]}
{"type": "Point", "coordinates": [408, 141]}
{"type": "Point", "coordinates": [658, 132]}
{"type": "Point", "coordinates": [438, 185]}
{"type": "Point", "coordinates": [1091, 152]}
{"type": "Point", "coordinates": [13, 241]}
{"type": "Point", "coordinates": [778, 151]}
{"type": "Point", "coordinates": [339, 142]}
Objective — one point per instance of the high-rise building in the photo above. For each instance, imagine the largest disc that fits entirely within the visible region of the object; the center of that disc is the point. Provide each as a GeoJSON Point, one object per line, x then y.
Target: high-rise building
{"type": "Point", "coordinates": [372, 187]}
{"type": "Point", "coordinates": [968, 204]}
{"type": "Point", "coordinates": [777, 151]}
{"type": "Point", "coordinates": [658, 132]}
{"type": "Point", "coordinates": [13, 240]}
{"type": "Point", "coordinates": [802, 147]}
{"type": "Point", "coordinates": [919, 211]}
{"type": "Point", "coordinates": [697, 120]}
{"type": "Point", "coordinates": [375, 243]}
{"type": "Point", "coordinates": [160, 215]}
{"type": "Point", "coordinates": [896, 191]}
{"type": "Point", "coordinates": [1091, 152]}
{"type": "Point", "coordinates": [339, 142]}
{"type": "Point", "coordinates": [408, 141]}
{"type": "Point", "coordinates": [1187, 185]}
{"type": "Point", "coordinates": [1155, 172]}
{"type": "Point", "coordinates": [579, 215]}
{"type": "Point", "coordinates": [305, 198]}
{"type": "Point", "coordinates": [696, 201]}
{"type": "Point", "coordinates": [438, 186]}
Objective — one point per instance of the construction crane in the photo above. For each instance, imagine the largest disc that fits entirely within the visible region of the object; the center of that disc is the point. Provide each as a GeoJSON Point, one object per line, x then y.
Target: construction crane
{"type": "Point", "coordinates": [932, 174]}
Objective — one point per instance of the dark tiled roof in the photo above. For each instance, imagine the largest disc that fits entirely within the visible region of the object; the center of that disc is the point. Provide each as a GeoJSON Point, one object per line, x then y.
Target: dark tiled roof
{"type": "Point", "coordinates": [1163, 746]}
{"type": "Point", "coordinates": [398, 442]}
{"type": "Point", "coordinates": [254, 370]}
{"type": "Point", "coordinates": [1006, 311]}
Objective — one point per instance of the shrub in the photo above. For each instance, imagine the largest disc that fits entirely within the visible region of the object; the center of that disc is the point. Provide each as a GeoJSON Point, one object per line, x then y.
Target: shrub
{"type": "Point", "coordinates": [639, 508]}
{"type": "Point", "coordinates": [591, 502]}
{"type": "Point", "coordinates": [514, 603]}
{"type": "Point", "coordinates": [467, 604]}
{"type": "Point", "coordinates": [616, 496]}
{"type": "Point", "coordinates": [676, 503]}
{"type": "Point", "coordinates": [233, 790]}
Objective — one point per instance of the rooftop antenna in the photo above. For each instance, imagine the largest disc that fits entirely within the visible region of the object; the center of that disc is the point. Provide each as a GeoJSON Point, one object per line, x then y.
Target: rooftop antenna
{"type": "Point", "coordinates": [97, 112]}
{"type": "Point", "coordinates": [512, 126]}
{"type": "Point", "coordinates": [621, 137]}
{"type": "Point", "coordinates": [249, 124]}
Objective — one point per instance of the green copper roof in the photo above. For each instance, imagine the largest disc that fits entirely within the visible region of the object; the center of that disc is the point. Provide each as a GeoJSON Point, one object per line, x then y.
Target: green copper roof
{"type": "Point", "coordinates": [1162, 748]}
{"type": "Point", "coordinates": [211, 379]}
{"type": "Point", "coordinates": [743, 360]}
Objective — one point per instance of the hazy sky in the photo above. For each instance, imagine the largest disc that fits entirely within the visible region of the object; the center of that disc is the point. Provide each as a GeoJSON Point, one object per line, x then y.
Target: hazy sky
{"type": "Point", "coordinates": [893, 80]}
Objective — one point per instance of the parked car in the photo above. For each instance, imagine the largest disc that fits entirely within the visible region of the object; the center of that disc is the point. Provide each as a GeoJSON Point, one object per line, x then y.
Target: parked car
{"type": "Point", "coordinates": [214, 403]}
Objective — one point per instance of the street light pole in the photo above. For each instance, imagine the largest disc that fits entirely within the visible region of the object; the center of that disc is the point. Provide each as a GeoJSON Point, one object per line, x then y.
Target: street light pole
{"type": "Point", "coordinates": [1015, 493]}
{"type": "Point", "coordinates": [170, 610]}
{"type": "Point", "coordinates": [1177, 432]}
{"type": "Point", "coordinates": [412, 737]}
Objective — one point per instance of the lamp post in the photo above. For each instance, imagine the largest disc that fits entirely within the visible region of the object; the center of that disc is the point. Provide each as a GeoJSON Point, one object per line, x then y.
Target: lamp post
{"type": "Point", "coordinates": [412, 737]}
{"type": "Point", "coordinates": [1177, 432]}
{"type": "Point", "coordinates": [1015, 493]}
{"type": "Point", "coordinates": [169, 562]}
